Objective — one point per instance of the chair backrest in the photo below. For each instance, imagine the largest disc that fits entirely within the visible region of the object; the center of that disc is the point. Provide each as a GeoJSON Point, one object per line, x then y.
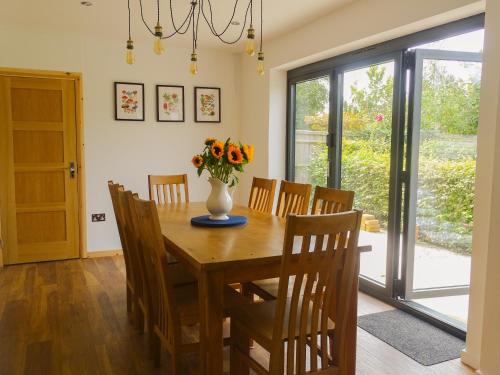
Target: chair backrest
{"type": "Point", "coordinates": [114, 189]}
{"type": "Point", "coordinates": [167, 189]}
{"type": "Point", "coordinates": [135, 250]}
{"type": "Point", "coordinates": [293, 198]}
{"type": "Point", "coordinates": [151, 240]}
{"type": "Point", "coordinates": [331, 201]}
{"type": "Point", "coordinates": [319, 259]}
{"type": "Point", "coordinates": [262, 195]}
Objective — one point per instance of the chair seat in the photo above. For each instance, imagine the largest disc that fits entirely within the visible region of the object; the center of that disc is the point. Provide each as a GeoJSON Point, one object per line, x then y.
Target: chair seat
{"type": "Point", "coordinates": [187, 302]}
{"type": "Point", "coordinates": [257, 320]}
{"type": "Point", "coordinates": [267, 289]}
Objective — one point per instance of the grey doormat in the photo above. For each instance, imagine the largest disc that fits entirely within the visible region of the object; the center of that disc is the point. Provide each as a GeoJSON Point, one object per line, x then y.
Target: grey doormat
{"type": "Point", "coordinates": [417, 339]}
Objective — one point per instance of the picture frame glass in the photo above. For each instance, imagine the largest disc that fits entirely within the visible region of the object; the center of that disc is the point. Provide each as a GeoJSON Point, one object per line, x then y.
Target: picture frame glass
{"type": "Point", "coordinates": [129, 101]}
{"type": "Point", "coordinates": [170, 104]}
{"type": "Point", "coordinates": [207, 104]}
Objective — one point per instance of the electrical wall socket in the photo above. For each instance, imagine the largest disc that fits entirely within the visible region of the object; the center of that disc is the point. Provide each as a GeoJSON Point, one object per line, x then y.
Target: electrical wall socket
{"type": "Point", "coordinates": [98, 217]}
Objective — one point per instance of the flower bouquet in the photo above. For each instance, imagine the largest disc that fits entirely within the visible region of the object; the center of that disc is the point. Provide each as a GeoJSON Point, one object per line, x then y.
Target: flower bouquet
{"type": "Point", "coordinates": [222, 160]}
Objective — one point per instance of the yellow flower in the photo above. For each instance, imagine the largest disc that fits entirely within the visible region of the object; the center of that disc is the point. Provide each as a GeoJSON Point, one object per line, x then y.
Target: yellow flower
{"type": "Point", "coordinates": [234, 155]}
{"type": "Point", "coordinates": [209, 141]}
{"type": "Point", "coordinates": [248, 150]}
{"type": "Point", "coordinates": [197, 161]}
{"type": "Point", "coordinates": [217, 149]}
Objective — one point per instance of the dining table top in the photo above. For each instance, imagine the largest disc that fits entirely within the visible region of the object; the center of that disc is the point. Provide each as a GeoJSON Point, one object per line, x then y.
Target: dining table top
{"type": "Point", "coordinates": [259, 240]}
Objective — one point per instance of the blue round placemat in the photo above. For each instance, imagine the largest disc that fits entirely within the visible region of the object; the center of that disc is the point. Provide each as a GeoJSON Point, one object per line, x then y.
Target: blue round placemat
{"type": "Point", "coordinates": [204, 221]}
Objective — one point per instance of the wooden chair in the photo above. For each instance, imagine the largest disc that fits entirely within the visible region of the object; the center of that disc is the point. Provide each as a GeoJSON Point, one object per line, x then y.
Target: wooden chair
{"type": "Point", "coordinates": [325, 201]}
{"type": "Point", "coordinates": [322, 274]}
{"type": "Point", "coordinates": [167, 189]}
{"type": "Point", "coordinates": [331, 201]}
{"type": "Point", "coordinates": [262, 195]}
{"type": "Point", "coordinates": [293, 198]}
{"type": "Point", "coordinates": [113, 191]}
{"type": "Point", "coordinates": [172, 306]}
{"type": "Point", "coordinates": [143, 300]}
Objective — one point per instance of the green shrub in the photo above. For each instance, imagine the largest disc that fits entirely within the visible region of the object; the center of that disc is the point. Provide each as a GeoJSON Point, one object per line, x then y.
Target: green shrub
{"type": "Point", "coordinates": [445, 196]}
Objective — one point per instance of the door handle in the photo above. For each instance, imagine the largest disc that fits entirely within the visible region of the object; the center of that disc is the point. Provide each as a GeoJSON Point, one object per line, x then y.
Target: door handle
{"type": "Point", "coordinates": [72, 169]}
{"type": "Point", "coordinates": [330, 140]}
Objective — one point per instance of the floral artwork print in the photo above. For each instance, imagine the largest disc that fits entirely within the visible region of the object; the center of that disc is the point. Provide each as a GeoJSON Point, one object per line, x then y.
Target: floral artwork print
{"type": "Point", "coordinates": [169, 103]}
{"type": "Point", "coordinates": [207, 106]}
{"type": "Point", "coordinates": [129, 101]}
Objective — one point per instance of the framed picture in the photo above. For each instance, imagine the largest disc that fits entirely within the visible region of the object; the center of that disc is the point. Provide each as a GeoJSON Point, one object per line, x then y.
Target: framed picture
{"type": "Point", "coordinates": [207, 104]}
{"type": "Point", "coordinates": [169, 103]}
{"type": "Point", "coordinates": [129, 101]}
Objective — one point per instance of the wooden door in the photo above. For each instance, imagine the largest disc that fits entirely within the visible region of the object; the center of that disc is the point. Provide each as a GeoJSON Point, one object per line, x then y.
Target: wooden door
{"type": "Point", "coordinates": [38, 182]}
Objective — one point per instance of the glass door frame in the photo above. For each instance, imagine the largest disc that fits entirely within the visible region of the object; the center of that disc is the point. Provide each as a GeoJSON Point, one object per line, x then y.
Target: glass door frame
{"type": "Point", "coordinates": [394, 291]}
{"type": "Point", "coordinates": [416, 60]}
{"type": "Point", "coordinates": [396, 163]}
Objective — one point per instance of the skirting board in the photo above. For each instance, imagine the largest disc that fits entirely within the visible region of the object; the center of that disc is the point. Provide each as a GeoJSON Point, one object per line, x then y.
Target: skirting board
{"type": "Point", "coordinates": [104, 253]}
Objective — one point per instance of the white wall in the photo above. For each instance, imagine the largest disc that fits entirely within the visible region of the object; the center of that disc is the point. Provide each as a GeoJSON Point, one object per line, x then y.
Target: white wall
{"type": "Point", "coordinates": [127, 151]}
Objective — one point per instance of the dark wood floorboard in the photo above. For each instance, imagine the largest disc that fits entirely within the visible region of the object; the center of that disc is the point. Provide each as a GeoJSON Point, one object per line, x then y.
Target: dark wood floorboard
{"type": "Point", "coordinates": [69, 317]}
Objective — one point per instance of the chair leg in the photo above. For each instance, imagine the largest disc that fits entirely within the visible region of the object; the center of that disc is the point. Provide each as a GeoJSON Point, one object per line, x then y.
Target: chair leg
{"type": "Point", "coordinates": [138, 317]}
{"type": "Point", "coordinates": [245, 291]}
{"type": "Point", "coordinates": [176, 363]}
{"type": "Point", "coordinates": [155, 348]}
{"type": "Point", "coordinates": [129, 300]}
{"type": "Point", "coordinates": [239, 348]}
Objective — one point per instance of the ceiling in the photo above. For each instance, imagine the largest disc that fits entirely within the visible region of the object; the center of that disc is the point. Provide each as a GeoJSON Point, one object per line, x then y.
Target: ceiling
{"type": "Point", "coordinates": [109, 17]}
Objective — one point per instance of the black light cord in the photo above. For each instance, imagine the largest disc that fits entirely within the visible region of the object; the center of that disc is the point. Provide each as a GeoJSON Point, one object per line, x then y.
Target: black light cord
{"type": "Point", "coordinates": [193, 18]}
{"type": "Point", "coordinates": [128, 5]}
{"type": "Point", "coordinates": [158, 11]}
{"type": "Point", "coordinates": [251, 13]}
{"type": "Point", "coordinates": [211, 22]}
{"type": "Point", "coordinates": [179, 30]}
{"type": "Point", "coordinates": [261, 22]}
{"type": "Point", "coordinates": [219, 35]}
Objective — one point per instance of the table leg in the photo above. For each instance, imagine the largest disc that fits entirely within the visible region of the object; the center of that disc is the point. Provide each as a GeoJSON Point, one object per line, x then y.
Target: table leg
{"type": "Point", "coordinates": [211, 298]}
{"type": "Point", "coordinates": [352, 328]}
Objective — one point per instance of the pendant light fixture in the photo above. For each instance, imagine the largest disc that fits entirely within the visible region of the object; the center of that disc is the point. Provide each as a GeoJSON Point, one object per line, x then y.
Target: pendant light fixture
{"type": "Point", "coordinates": [129, 56]}
{"type": "Point", "coordinates": [200, 9]}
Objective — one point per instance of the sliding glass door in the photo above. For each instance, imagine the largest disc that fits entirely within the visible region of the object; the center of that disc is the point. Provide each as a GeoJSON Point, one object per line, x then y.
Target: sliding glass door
{"type": "Point", "coordinates": [396, 123]}
{"type": "Point", "coordinates": [366, 128]}
{"type": "Point", "coordinates": [442, 161]}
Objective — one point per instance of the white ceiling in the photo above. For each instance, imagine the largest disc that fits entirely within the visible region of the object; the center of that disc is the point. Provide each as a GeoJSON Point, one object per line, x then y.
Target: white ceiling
{"type": "Point", "coordinates": [110, 17]}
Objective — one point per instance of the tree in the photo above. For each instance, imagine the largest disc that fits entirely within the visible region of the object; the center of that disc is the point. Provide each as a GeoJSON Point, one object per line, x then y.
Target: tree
{"type": "Point", "coordinates": [449, 104]}
{"type": "Point", "coordinates": [311, 99]}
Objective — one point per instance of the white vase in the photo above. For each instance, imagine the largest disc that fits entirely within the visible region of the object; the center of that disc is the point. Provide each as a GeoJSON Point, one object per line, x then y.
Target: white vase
{"type": "Point", "coordinates": [219, 202]}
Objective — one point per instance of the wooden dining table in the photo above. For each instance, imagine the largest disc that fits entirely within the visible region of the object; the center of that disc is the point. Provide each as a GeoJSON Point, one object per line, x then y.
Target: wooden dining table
{"type": "Point", "coordinates": [220, 256]}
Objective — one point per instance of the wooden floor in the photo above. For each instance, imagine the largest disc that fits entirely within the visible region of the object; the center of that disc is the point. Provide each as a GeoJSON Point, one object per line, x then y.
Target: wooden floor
{"type": "Point", "coordinates": [69, 317]}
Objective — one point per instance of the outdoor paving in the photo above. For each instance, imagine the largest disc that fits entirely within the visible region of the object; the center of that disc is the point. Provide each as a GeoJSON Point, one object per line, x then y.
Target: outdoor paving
{"type": "Point", "coordinates": [434, 267]}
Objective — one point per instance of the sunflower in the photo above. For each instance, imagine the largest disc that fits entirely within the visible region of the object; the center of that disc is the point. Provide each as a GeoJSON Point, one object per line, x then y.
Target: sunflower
{"type": "Point", "coordinates": [197, 161]}
{"type": "Point", "coordinates": [209, 141]}
{"type": "Point", "coordinates": [234, 155]}
{"type": "Point", "coordinates": [217, 149]}
{"type": "Point", "coordinates": [248, 150]}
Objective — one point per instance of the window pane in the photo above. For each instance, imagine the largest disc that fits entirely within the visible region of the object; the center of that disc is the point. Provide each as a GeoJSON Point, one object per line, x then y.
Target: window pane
{"type": "Point", "coordinates": [366, 156]}
{"type": "Point", "coordinates": [311, 128]}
